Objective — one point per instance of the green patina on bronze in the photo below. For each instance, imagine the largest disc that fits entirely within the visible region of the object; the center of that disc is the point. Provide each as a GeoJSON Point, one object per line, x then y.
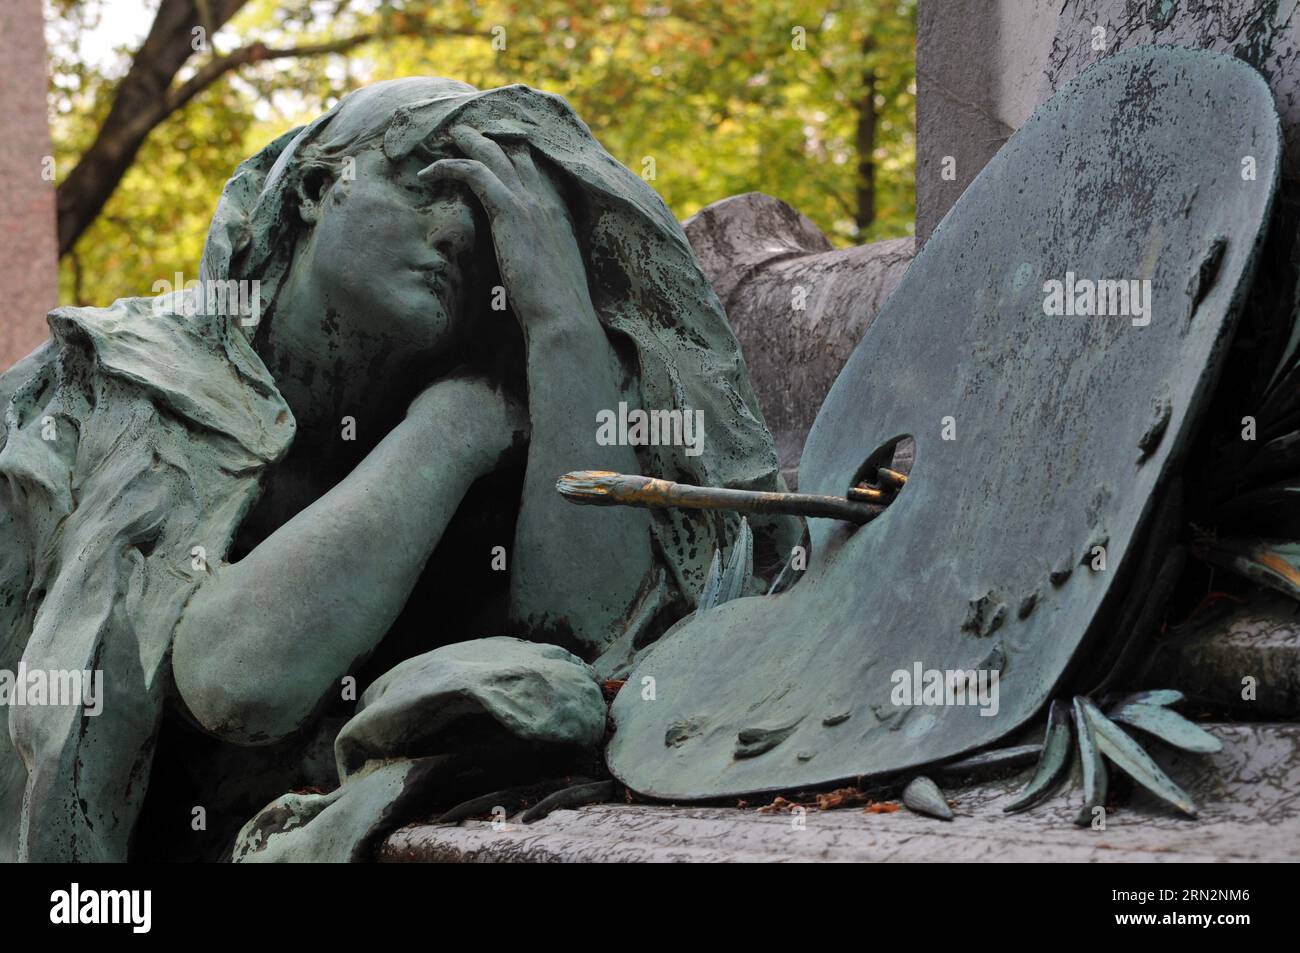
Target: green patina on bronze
{"type": "Point", "coordinates": [196, 529]}
{"type": "Point", "coordinates": [1066, 430]}
{"type": "Point", "coordinates": [199, 531]}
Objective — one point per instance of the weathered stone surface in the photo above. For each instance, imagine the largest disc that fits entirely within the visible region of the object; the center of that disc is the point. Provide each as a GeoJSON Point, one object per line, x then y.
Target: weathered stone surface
{"type": "Point", "coordinates": [29, 264]}
{"type": "Point", "coordinates": [1210, 659]}
{"type": "Point", "coordinates": [983, 66]}
{"type": "Point", "coordinates": [797, 305]}
{"type": "Point", "coordinates": [1246, 792]}
{"type": "Point", "coordinates": [1263, 33]}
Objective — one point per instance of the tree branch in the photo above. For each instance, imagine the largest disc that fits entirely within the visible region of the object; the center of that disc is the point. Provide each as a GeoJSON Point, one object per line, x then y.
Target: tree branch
{"type": "Point", "coordinates": [219, 66]}
{"type": "Point", "coordinates": [82, 195]}
{"type": "Point", "coordinates": [146, 97]}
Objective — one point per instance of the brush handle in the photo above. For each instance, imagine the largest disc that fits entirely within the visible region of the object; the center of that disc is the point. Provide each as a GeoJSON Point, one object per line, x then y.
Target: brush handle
{"type": "Point", "coordinates": [605, 488]}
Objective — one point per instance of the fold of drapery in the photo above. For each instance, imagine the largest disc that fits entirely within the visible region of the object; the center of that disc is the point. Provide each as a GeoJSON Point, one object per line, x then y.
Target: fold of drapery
{"type": "Point", "coordinates": [132, 446]}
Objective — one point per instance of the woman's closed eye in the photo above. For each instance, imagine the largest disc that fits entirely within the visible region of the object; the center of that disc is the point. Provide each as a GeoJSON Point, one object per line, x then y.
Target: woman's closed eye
{"type": "Point", "coordinates": [440, 191]}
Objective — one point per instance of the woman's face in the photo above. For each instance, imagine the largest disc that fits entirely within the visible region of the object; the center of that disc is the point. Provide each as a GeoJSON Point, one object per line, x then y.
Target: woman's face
{"type": "Point", "coordinates": [385, 263]}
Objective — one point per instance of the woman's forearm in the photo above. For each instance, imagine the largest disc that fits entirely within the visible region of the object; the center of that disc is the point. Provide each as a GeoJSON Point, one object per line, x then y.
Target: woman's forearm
{"type": "Point", "coordinates": [575, 572]}
{"type": "Point", "coordinates": [265, 638]}
{"type": "Point", "coordinates": [575, 566]}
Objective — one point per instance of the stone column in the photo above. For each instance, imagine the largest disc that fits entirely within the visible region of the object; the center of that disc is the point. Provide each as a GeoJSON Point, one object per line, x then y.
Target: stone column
{"type": "Point", "coordinates": [983, 66]}
{"type": "Point", "coordinates": [28, 243]}
{"type": "Point", "coordinates": [979, 66]}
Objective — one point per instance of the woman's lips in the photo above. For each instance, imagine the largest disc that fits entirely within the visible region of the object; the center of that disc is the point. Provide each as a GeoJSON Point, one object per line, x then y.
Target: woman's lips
{"type": "Point", "coordinates": [436, 279]}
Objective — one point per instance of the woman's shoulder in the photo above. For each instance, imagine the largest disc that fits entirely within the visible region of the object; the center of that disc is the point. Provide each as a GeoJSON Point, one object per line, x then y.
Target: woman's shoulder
{"type": "Point", "coordinates": [196, 364]}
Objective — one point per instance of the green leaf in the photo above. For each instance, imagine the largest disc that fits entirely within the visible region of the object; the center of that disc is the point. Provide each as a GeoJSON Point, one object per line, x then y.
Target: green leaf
{"type": "Point", "coordinates": [713, 584]}
{"type": "Point", "coordinates": [1160, 696]}
{"type": "Point", "coordinates": [740, 567]}
{"type": "Point", "coordinates": [1168, 726]}
{"type": "Point", "coordinates": [1268, 563]}
{"type": "Point", "coordinates": [997, 759]}
{"type": "Point", "coordinates": [1050, 770]}
{"type": "Point", "coordinates": [1094, 770]}
{"type": "Point", "coordinates": [1127, 755]}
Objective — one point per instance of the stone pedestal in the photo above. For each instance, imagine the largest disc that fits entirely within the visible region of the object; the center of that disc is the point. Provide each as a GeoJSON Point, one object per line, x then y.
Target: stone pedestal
{"type": "Point", "coordinates": [1246, 793]}
{"type": "Point", "coordinates": [1240, 659]}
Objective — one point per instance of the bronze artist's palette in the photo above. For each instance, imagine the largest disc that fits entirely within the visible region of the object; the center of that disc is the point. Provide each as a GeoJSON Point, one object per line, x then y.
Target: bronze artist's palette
{"type": "Point", "coordinates": [1041, 434]}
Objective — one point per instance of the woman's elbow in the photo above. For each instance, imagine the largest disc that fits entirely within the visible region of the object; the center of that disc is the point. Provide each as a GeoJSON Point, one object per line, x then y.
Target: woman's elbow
{"type": "Point", "coordinates": [229, 691]}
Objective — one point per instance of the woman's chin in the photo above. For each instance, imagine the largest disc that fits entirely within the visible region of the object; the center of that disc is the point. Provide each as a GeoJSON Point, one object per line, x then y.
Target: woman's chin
{"type": "Point", "coordinates": [420, 327]}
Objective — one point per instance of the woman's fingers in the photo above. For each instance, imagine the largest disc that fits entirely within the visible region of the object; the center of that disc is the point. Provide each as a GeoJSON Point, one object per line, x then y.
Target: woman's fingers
{"type": "Point", "coordinates": [478, 146]}
{"type": "Point", "coordinates": [489, 188]}
{"type": "Point", "coordinates": [521, 157]}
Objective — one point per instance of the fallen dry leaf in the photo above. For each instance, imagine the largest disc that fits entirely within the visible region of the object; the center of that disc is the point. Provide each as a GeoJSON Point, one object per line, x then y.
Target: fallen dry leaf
{"type": "Point", "coordinates": [881, 807]}
{"type": "Point", "coordinates": [778, 804]}
{"type": "Point", "coordinates": [841, 797]}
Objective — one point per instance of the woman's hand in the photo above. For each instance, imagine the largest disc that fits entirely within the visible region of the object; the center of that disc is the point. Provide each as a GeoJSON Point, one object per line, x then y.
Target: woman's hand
{"type": "Point", "coordinates": [561, 574]}
{"type": "Point", "coordinates": [537, 251]}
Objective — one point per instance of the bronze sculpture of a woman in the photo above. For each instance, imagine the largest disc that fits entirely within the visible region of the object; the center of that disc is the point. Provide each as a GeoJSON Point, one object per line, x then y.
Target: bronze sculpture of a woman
{"type": "Point", "coordinates": [231, 514]}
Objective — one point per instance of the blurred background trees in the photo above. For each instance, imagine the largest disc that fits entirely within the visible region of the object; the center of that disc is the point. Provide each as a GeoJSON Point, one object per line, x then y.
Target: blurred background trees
{"type": "Point", "coordinates": [811, 101]}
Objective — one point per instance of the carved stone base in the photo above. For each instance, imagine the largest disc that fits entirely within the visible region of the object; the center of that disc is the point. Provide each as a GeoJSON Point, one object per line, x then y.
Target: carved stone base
{"type": "Point", "coordinates": [1211, 659]}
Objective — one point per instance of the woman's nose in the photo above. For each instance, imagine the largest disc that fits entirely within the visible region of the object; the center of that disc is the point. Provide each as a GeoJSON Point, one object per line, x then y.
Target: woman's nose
{"type": "Point", "coordinates": [451, 231]}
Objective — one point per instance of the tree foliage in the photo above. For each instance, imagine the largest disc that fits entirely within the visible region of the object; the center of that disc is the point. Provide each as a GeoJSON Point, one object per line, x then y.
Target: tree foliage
{"type": "Point", "coordinates": [714, 97]}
